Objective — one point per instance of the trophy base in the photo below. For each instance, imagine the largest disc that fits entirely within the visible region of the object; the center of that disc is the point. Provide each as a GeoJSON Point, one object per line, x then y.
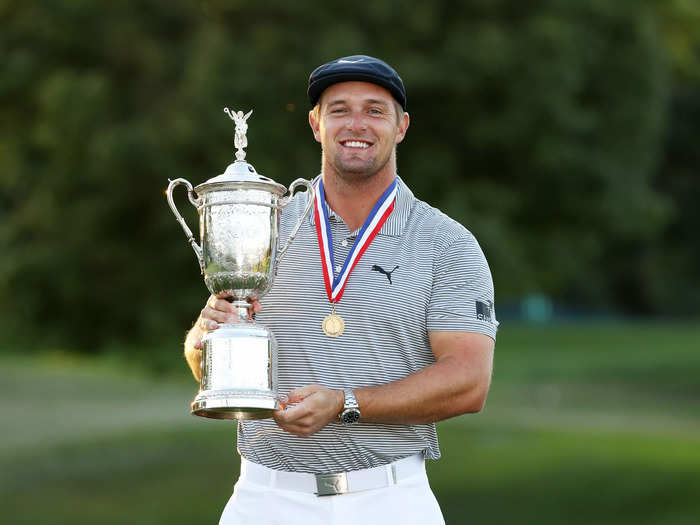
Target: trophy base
{"type": "Point", "coordinates": [238, 373]}
{"type": "Point", "coordinates": [232, 407]}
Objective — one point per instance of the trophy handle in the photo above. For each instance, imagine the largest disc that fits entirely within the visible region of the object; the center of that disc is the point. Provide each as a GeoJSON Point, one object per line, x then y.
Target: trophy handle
{"type": "Point", "coordinates": [195, 202]}
{"type": "Point", "coordinates": [309, 205]}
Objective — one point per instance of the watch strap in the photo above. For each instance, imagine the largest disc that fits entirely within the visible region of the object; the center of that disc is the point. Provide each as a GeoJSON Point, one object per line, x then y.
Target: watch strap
{"type": "Point", "coordinates": [351, 409]}
{"type": "Point", "coordinates": [350, 400]}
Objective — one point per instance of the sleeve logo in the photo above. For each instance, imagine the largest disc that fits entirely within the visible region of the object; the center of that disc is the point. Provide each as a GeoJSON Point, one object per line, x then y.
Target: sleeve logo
{"type": "Point", "coordinates": [483, 310]}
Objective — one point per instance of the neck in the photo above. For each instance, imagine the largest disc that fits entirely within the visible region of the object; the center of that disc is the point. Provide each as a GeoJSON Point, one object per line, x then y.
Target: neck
{"type": "Point", "coordinates": [353, 200]}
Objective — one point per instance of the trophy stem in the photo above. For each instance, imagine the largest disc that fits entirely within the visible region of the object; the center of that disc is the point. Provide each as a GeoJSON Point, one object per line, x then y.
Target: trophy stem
{"type": "Point", "coordinates": [242, 311]}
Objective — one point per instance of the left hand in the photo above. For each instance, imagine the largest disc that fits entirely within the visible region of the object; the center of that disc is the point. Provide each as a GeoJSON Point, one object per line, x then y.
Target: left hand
{"type": "Point", "coordinates": [317, 406]}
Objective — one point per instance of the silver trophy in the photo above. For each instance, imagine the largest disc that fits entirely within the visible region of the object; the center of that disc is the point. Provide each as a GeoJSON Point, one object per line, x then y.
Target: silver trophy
{"type": "Point", "coordinates": [239, 216]}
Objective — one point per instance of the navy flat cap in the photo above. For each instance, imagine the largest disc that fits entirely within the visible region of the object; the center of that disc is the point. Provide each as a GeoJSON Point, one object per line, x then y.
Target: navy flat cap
{"type": "Point", "coordinates": [361, 68]}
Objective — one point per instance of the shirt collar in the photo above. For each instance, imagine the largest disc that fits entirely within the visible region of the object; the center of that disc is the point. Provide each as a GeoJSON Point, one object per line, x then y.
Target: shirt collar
{"type": "Point", "coordinates": [396, 222]}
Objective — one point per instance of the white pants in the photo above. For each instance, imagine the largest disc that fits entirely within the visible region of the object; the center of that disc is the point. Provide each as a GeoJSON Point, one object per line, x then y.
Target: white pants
{"type": "Point", "coordinates": [261, 497]}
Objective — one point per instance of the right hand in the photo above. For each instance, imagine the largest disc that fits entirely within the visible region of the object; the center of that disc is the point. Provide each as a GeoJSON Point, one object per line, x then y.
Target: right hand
{"type": "Point", "coordinates": [218, 310]}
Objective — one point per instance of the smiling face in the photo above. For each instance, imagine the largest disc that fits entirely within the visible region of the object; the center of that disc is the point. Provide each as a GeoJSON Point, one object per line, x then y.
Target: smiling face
{"type": "Point", "coordinates": [358, 127]}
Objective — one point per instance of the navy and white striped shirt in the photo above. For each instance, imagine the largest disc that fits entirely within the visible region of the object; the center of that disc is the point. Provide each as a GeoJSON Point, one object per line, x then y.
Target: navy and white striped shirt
{"type": "Point", "coordinates": [435, 277]}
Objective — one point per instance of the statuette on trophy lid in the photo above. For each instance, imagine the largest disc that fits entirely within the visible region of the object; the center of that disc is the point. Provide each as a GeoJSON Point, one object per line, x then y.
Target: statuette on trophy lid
{"type": "Point", "coordinates": [239, 140]}
{"type": "Point", "coordinates": [238, 254]}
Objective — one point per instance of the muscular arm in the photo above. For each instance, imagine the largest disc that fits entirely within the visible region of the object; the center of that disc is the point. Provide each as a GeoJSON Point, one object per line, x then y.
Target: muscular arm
{"type": "Point", "coordinates": [455, 384]}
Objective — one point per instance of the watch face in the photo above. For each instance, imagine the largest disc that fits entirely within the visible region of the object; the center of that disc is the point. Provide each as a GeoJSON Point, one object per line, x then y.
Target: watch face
{"type": "Point", "coordinates": [351, 416]}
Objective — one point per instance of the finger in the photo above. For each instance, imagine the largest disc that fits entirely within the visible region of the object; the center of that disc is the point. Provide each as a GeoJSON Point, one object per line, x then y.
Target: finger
{"type": "Point", "coordinates": [278, 416]}
{"type": "Point", "coordinates": [303, 427]}
{"type": "Point", "coordinates": [292, 429]}
{"type": "Point", "coordinates": [215, 315]}
{"type": "Point", "coordinates": [222, 305]}
{"type": "Point", "coordinates": [303, 419]}
{"type": "Point", "coordinates": [281, 419]}
{"type": "Point", "coordinates": [291, 414]}
{"type": "Point", "coordinates": [255, 303]}
{"type": "Point", "coordinates": [283, 401]}
{"type": "Point", "coordinates": [207, 324]}
{"type": "Point", "coordinates": [197, 344]}
{"type": "Point", "coordinates": [299, 394]}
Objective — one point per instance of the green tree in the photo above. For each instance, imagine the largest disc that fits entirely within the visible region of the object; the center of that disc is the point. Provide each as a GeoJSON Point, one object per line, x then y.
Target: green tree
{"type": "Point", "coordinates": [539, 126]}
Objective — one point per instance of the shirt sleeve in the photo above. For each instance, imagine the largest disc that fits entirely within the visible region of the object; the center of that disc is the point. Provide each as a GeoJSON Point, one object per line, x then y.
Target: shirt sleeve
{"type": "Point", "coordinates": [462, 296]}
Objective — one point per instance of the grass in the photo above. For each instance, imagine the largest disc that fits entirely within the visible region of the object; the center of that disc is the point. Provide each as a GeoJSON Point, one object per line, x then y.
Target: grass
{"type": "Point", "coordinates": [590, 423]}
{"type": "Point", "coordinates": [520, 475]}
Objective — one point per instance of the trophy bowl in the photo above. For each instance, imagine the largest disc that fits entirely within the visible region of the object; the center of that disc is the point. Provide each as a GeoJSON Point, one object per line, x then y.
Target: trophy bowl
{"type": "Point", "coordinates": [239, 216]}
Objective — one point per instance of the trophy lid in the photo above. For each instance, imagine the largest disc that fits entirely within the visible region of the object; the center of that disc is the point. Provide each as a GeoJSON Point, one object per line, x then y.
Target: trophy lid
{"type": "Point", "coordinates": [240, 175]}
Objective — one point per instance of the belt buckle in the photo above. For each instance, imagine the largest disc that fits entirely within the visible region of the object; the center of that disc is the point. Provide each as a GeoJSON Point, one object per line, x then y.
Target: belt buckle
{"type": "Point", "coordinates": [331, 484]}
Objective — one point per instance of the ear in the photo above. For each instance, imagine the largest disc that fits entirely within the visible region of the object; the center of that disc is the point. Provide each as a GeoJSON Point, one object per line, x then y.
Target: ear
{"type": "Point", "coordinates": [403, 126]}
{"type": "Point", "coordinates": [315, 126]}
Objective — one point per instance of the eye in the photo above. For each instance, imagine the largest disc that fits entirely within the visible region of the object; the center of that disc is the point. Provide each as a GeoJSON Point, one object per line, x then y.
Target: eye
{"type": "Point", "coordinates": [375, 111]}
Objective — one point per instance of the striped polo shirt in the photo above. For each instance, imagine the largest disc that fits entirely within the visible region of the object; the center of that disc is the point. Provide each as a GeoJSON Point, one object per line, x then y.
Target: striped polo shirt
{"type": "Point", "coordinates": [422, 272]}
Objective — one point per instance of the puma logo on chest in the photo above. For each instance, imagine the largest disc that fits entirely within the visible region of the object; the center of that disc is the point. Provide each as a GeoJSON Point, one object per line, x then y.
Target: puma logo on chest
{"type": "Point", "coordinates": [379, 269]}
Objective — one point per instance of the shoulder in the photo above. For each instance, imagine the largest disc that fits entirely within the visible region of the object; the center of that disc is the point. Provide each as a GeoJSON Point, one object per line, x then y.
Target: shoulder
{"type": "Point", "coordinates": [442, 230]}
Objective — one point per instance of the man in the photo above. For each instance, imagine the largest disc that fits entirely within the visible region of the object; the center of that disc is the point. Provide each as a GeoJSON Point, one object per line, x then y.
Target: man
{"type": "Point", "coordinates": [383, 313]}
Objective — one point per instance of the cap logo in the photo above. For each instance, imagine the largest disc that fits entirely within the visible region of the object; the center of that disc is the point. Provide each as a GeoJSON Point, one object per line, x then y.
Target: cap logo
{"type": "Point", "coordinates": [343, 61]}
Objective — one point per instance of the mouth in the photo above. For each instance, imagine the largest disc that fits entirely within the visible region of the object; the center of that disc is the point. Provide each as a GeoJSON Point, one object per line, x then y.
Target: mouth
{"type": "Point", "coordinates": [355, 144]}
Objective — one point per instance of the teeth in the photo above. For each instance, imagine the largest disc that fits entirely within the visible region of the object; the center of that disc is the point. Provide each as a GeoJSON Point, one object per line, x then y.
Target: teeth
{"type": "Point", "coordinates": [356, 144]}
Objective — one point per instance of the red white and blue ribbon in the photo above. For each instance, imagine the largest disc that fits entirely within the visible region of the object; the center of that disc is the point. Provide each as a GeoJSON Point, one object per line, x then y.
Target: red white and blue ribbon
{"type": "Point", "coordinates": [335, 286]}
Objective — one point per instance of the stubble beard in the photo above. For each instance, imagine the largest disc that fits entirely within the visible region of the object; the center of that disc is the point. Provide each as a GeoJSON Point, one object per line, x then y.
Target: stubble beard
{"type": "Point", "coordinates": [355, 173]}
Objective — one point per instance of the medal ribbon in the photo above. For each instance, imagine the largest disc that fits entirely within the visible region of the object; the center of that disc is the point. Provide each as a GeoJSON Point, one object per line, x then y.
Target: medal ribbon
{"type": "Point", "coordinates": [376, 218]}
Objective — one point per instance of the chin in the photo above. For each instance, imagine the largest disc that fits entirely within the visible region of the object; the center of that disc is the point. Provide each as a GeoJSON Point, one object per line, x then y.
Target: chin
{"type": "Point", "coordinates": [357, 172]}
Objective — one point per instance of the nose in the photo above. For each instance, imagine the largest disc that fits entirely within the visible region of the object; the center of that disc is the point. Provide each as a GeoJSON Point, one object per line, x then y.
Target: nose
{"type": "Point", "coordinates": [356, 121]}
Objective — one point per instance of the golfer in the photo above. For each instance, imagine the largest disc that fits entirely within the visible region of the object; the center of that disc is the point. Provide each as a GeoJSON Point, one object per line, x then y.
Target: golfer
{"type": "Point", "coordinates": [383, 310]}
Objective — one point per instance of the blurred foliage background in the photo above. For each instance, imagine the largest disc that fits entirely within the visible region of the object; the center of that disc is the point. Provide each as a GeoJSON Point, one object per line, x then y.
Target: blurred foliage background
{"type": "Point", "coordinates": [562, 133]}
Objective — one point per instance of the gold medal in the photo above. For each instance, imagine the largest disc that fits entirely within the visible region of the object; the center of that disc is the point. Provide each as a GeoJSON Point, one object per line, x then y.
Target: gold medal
{"type": "Point", "coordinates": [333, 325]}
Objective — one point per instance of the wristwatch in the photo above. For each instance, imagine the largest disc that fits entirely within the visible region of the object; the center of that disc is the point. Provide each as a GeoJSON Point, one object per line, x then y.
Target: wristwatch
{"type": "Point", "coordinates": [351, 410]}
